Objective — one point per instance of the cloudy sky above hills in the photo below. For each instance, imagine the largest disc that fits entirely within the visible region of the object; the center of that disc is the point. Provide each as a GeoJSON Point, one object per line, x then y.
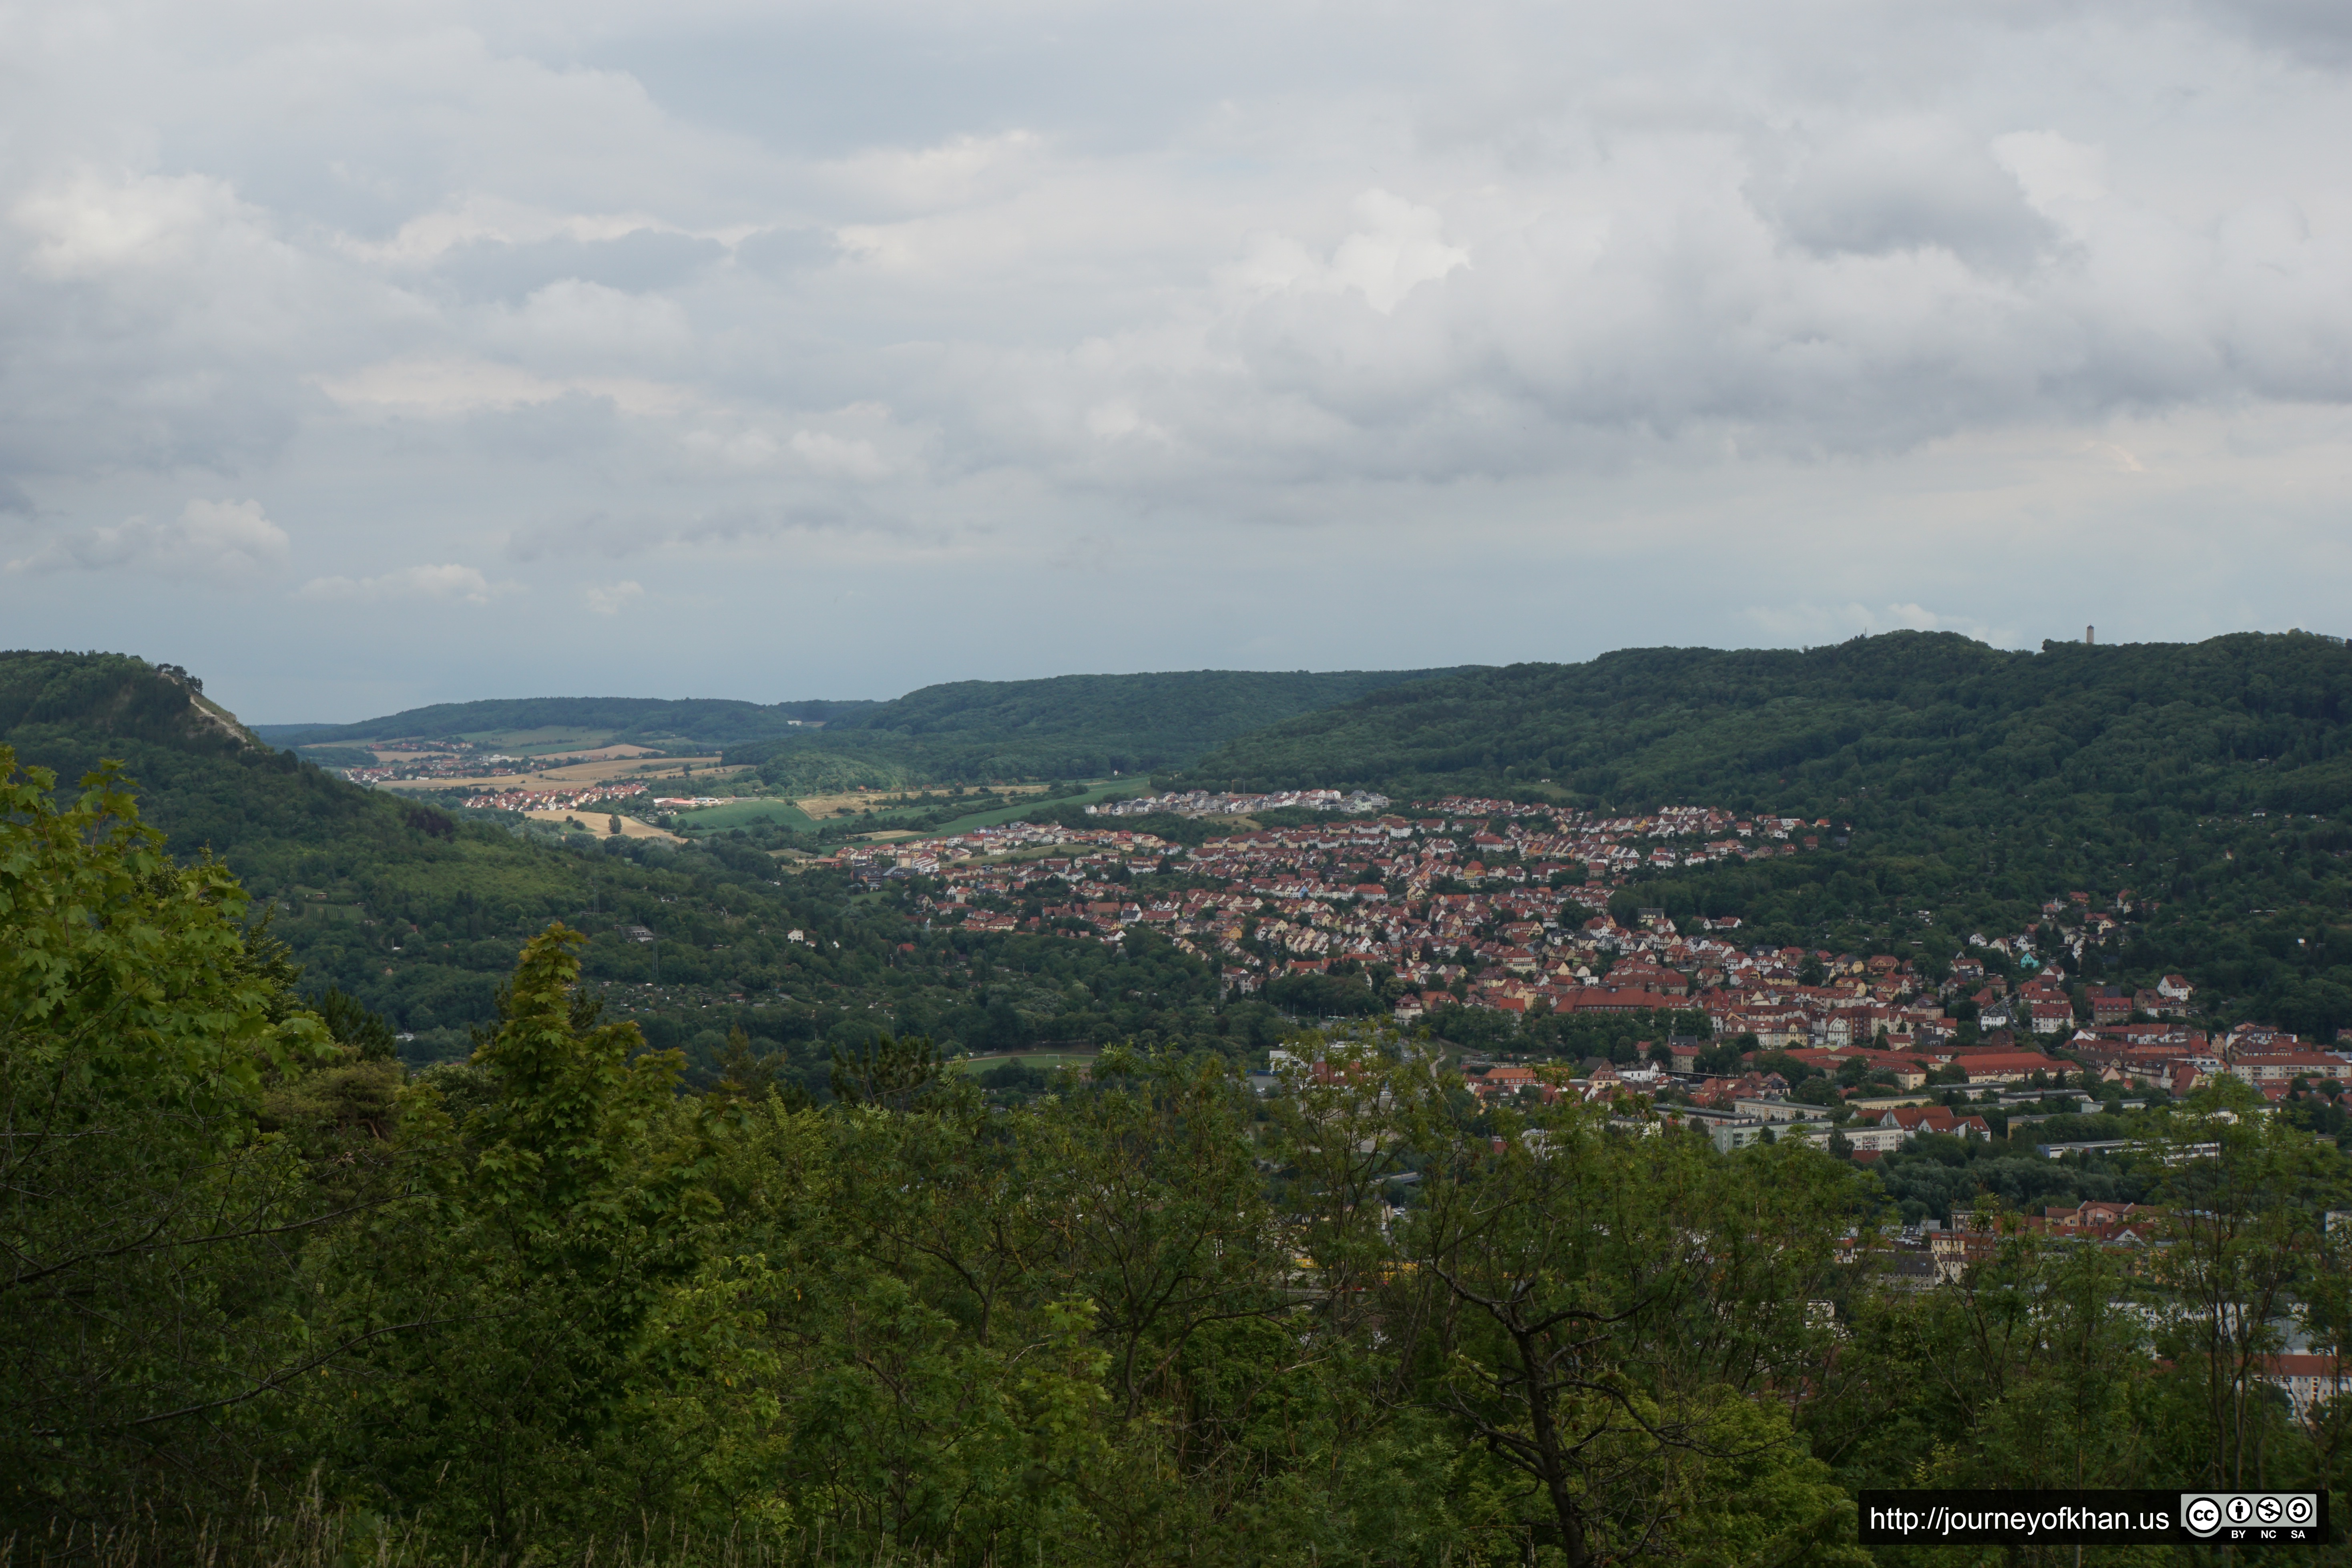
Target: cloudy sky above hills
{"type": "Point", "coordinates": [362, 354]}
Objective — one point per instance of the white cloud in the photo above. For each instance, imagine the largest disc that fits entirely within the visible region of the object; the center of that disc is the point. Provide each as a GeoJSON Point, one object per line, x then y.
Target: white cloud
{"type": "Point", "coordinates": [612, 599]}
{"type": "Point", "coordinates": [834, 457]}
{"type": "Point", "coordinates": [1397, 248]}
{"type": "Point", "coordinates": [478, 216]}
{"type": "Point", "coordinates": [1811, 624]}
{"type": "Point", "coordinates": [84, 224]}
{"type": "Point", "coordinates": [228, 543]}
{"type": "Point", "coordinates": [954, 172]}
{"type": "Point", "coordinates": [452, 385]}
{"type": "Point", "coordinates": [752, 296]}
{"type": "Point", "coordinates": [444, 584]}
{"type": "Point", "coordinates": [573, 322]}
{"type": "Point", "coordinates": [2054, 172]}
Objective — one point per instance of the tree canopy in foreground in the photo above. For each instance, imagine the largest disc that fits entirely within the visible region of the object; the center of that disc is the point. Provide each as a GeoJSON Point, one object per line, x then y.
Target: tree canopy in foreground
{"type": "Point", "coordinates": [267, 1291]}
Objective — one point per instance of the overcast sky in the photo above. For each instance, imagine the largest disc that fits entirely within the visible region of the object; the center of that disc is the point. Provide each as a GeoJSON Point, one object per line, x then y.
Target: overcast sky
{"type": "Point", "coordinates": [358, 355]}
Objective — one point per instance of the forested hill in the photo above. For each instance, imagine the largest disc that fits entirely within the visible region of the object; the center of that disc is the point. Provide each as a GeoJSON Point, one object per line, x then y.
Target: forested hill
{"type": "Point", "coordinates": [1931, 721]}
{"type": "Point", "coordinates": [201, 778]}
{"type": "Point", "coordinates": [955, 733]}
{"type": "Point", "coordinates": [114, 695]}
{"type": "Point", "coordinates": [1063, 726]}
{"type": "Point", "coordinates": [411, 910]}
{"type": "Point", "coordinates": [716, 721]}
{"type": "Point", "coordinates": [1176, 709]}
{"type": "Point", "coordinates": [417, 912]}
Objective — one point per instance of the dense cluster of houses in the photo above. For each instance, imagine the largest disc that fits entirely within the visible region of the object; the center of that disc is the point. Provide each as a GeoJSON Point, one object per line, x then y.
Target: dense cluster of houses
{"type": "Point", "coordinates": [1479, 875]}
{"type": "Point", "coordinates": [555, 799]}
{"type": "Point", "coordinates": [435, 759]}
{"type": "Point", "coordinates": [1205, 802]}
{"type": "Point", "coordinates": [1504, 905]}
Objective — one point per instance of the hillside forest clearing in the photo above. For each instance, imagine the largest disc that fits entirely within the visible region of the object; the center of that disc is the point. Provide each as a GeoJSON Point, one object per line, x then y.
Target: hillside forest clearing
{"type": "Point", "coordinates": [534, 743]}
{"type": "Point", "coordinates": [1041, 1061]}
{"type": "Point", "coordinates": [807, 813]}
{"type": "Point", "coordinates": [603, 754]}
{"type": "Point", "coordinates": [851, 802]}
{"type": "Point", "coordinates": [743, 811]}
{"type": "Point", "coordinates": [588, 819]}
{"type": "Point", "coordinates": [614, 770]}
{"type": "Point", "coordinates": [552, 741]}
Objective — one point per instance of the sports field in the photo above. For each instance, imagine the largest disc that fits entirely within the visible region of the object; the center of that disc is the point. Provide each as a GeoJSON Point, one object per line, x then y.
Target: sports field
{"type": "Point", "coordinates": [1045, 1061]}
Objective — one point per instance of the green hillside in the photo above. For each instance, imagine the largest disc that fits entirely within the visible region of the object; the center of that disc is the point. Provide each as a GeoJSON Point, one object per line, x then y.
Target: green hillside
{"type": "Point", "coordinates": [273, 1298]}
{"type": "Point", "coordinates": [1966, 786]}
{"type": "Point", "coordinates": [1065, 727]}
{"type": "Point", "coordinates": [2239, 719]}
{"type": "Point", "coordinates": [960, 732]}
{"type": "Point", "coordinates": [418, 912]}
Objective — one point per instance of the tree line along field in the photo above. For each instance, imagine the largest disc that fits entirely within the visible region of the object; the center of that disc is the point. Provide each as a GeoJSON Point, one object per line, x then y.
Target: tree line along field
{"type": "Point", "coordinates": [584, 760]}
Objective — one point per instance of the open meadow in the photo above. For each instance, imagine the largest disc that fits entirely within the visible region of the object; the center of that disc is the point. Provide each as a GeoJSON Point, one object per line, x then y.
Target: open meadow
{"type": "Point", "coordinates": [1041, 1061]}
{"type": "Point", "coordinates": [588, 819]}
{"type": "Point", "coordinates": [852, 801]}
{"type": "Point", "coordinates": [611, 770]}
{"type": "Point", "coordinates": [747, 811]}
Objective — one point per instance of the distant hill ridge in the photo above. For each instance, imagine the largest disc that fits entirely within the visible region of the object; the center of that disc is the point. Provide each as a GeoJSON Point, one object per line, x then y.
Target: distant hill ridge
{"type": "Point", "coordinates": [707, 720]}
{"type": "Point", "coordinates": [953, 732]}
{"type": "Point", "coordinates": [1928, 718]}
{"type": "Point", "coordinates": [1196, 702]}
{"type": "Point", "coordinates": [1060, 727]}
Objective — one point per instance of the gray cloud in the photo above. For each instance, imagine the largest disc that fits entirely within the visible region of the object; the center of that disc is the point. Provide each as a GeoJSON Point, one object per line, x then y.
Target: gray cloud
{"type": "Point", "coordinates": [738, 293]}
{"type": "Point", "coordinates": [613, 537]}
{"type": "Point", "coordinates": [2318, 32]}
{"type": "Point", "coordinates": [781, 252]}
{"type": "Point", "coordinates": [636, 262]}
{"type": "Point", "coordinates": [225, 542]}
{"type": "Point", "coordinates": [1898, 186]}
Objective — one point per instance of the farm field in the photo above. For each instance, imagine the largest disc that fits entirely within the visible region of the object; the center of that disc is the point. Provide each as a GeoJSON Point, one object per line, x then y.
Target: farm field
{"type": "Point", "coordinates": [745, 811]}
{"type": "Point", "coordinates": [879, 801]}
{"type": "Point", "coordinates": [543, 743]}
{"type": "Point", "coordinates": [539, 742]}
{"type": "Point", "coordinates": [592, 821]}
{"type": "Point", "coordinates": [808, 812]}
{"type": "Point", "coordinates": [611, 754]}
{"type": "Point", "coordinates": [517, 743]}
{"type": "Point", "coordinates": [610, 770]}
{"type": "Point", "coordinates": [1098, 790]}
{"type": "Point", "coordinates": [630, 770]}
